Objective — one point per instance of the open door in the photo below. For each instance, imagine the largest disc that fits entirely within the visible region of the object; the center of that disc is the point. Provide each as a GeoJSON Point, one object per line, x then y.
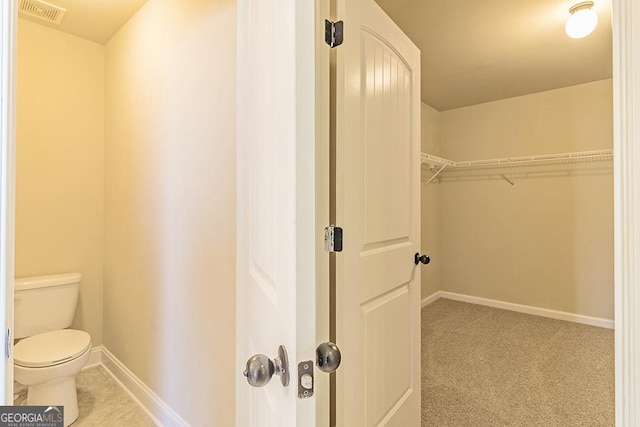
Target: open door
{"type": "Point", "coordinates": [279, 223]}
{"type": "Point", "coordinates": [378, 207]}
{"type": "Point", "coordinates": [8, 44]}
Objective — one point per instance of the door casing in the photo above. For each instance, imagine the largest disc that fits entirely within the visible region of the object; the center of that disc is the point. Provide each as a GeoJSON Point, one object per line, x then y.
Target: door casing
{"type": "Point", "coordinates": [8, 51]}
{"type": "Point", "coordinates": [626, 145]}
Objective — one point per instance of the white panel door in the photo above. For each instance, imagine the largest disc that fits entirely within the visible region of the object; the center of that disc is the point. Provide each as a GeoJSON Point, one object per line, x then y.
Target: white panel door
{"type": "Point", "coordinates": [8, 45]}
{"type": "Point", "coordinates": [378, 206]}
{"type": "Point", "coordinates": [276, 220]}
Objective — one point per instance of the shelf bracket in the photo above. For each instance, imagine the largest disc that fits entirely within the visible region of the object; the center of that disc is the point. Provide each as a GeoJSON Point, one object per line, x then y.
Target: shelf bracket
{"type": "Point", "coordinates": [435, 174]}
{"type": "Point", "coordinates": [510, 180]}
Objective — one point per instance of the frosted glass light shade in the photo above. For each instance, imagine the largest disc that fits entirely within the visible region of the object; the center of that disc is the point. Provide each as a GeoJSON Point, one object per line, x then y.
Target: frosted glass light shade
{"type": "Point", "coordinates": [581, 23]}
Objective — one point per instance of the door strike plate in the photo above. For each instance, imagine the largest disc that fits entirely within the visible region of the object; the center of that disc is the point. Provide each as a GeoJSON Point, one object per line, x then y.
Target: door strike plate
{"type": "Point", "coordinates": [305, 379]}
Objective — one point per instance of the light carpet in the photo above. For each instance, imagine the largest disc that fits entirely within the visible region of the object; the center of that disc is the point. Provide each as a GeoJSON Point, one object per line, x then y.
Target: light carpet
{"type": "Point", "coordinates": [484, 366]}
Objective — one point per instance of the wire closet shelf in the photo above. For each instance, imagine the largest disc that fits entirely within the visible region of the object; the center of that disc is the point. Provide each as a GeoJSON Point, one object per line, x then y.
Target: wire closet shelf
{"type": "Point", "coordinates": [439, 163]}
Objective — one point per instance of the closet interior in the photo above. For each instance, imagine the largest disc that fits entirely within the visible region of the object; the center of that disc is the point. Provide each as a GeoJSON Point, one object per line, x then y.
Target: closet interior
{"type": "Point", "coordinates": [517, 159]}
{"type": "Point", "coordinates": [525, 218]}
{"type": "Point", "coordinates": [516, 211]}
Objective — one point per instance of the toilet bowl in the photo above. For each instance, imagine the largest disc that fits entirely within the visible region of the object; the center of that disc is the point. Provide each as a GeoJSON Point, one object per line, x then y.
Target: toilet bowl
{"type": "Point", "coordinates": [48, 358]}
{"type": "Point", "coordinates": [48, 364]}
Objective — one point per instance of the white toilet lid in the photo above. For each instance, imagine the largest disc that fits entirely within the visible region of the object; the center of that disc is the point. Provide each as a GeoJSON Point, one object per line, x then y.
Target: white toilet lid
{"type": "Point", "coordinates": [51, 348]}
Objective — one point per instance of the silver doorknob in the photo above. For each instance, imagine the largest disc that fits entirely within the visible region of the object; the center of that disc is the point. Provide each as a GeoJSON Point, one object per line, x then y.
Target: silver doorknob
{"type": "Point", "coordinates": [328, 357]}
{"type": "Point", "coordinates": [260, 368]}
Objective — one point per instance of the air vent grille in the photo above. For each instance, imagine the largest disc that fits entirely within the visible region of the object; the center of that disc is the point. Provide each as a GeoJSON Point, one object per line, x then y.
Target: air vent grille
{"type": "Point", "coordinates": [42, 10]}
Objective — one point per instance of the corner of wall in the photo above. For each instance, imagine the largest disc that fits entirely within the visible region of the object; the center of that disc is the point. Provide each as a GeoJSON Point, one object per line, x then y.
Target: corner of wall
{"type": "Point", "coordinates": [430, 203]}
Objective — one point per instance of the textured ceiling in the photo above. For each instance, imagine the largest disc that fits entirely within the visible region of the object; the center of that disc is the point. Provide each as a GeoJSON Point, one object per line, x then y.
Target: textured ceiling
{"type": "Point", "coordinates": [95, 20]}
{"type": "Point", "coordinates": [480, 51]}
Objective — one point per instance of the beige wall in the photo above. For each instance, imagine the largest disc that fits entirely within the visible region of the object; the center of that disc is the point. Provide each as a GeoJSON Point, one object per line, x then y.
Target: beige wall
{"type": "Point", "coordinates": [430, 202]}
{"type": "Point", "coordinates": [548, 240]}
{"type": "Point", "coordinates": [169, 295]}
{"type": "Point", "coordinates": [60, 158]}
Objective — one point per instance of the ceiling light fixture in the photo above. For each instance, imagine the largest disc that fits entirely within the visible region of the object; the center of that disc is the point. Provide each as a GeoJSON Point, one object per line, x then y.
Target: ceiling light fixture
{"type": "Point", "coordinates": [583, 20]}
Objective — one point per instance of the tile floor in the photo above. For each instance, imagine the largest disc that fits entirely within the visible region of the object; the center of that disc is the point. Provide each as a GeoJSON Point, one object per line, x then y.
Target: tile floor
{"type": "Point", "coordinates": [103, 402]}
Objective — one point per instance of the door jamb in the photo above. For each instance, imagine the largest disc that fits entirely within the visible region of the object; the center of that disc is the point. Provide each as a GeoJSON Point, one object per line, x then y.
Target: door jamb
{"type": "Point", "coordinates": [322, 164]}
{"type": "Point", "coordinates": [626, 143]}
{"type": "Point", "coordinates": [8, 50]}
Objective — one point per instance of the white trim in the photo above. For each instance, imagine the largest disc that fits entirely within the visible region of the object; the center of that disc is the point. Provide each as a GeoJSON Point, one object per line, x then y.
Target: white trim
{"type": "Point", "coordinates": [322, 202]}
{"type": "Point", "coordinates": [155, 407]}
{"type": "Point", "coordinates": [431, 298]}
{"type": "Point", "coordinates": [8, 51]}
{"type": "Point", "coordinates": [527, 309]}
{"type": "Point", "coordinates": [95, 358]}
{"type": "Point", "coordinates": [626, 138]}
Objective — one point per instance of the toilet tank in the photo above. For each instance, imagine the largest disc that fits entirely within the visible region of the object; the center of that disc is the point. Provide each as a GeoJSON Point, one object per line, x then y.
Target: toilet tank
{"type": "Point", "coordinates": [45, 303]}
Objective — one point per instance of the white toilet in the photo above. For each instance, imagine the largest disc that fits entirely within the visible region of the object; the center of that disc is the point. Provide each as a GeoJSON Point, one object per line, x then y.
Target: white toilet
{"type": "Point", "coordinates": [49, 357]}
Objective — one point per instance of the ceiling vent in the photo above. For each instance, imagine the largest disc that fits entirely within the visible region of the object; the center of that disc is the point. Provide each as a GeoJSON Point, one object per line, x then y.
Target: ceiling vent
{"type": "Point", "coordinates": [42, 10]}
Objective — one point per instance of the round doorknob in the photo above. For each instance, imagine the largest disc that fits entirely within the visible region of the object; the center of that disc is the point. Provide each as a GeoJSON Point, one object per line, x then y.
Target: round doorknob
{"type": "Point", "coordinates": [260, 368]}
{"type": "Point", "coordinates": [424, 259]}
{"type": "Point", "coordinates": [328, 357]}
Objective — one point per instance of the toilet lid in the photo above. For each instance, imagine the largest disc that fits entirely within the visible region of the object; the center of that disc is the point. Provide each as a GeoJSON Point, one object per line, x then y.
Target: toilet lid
{"type": "Point", "coordinates": [51, 348]}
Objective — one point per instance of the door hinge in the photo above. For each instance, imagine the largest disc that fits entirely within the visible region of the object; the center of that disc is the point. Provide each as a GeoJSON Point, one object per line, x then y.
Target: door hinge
{"type": "Point", "coordinates": [8, 344]}
{"type": "Point", "coordinates": [333, 239]}
{"type": "Point", "coordinates": [333, 33]}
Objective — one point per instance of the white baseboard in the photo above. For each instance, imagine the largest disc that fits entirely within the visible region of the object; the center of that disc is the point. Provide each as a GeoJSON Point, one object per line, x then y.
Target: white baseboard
{"type": "Point", "coordinates": [155, 407]}
{"type": "Point", "coordinates": [537, 311]}
{"type": "Point", "coordinates": [431, 298]}
{"type": "Point", "coordinates": [95, 358]}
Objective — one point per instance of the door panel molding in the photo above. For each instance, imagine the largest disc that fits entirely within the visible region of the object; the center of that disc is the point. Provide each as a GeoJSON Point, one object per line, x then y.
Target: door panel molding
{"type": "Point", "coordinates": [276, 205]}
{"type": "Point", "coordinates": [377, 203]}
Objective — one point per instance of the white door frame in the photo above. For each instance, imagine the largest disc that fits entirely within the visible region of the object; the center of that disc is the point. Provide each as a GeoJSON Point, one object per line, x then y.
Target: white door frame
{"type": "Point", "coordinates": [626, 143]}
{"type": "Point", "coordinates": [322, 200]}
{"type": "Point", "coordinates": [8, 47]}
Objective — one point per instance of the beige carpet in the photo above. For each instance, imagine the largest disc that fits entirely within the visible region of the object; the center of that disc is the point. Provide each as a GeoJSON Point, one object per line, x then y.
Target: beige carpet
{"type": "Point", "coordinates": [483, 366]}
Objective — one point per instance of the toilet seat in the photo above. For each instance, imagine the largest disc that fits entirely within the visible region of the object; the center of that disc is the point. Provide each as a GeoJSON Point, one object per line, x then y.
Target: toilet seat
{"type": "Point", "coordinates": [51, 348]}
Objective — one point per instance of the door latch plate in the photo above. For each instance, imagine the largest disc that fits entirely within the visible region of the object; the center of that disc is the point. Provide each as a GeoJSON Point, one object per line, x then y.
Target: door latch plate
{"type": "Point", "coordinates": [305, 379]}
